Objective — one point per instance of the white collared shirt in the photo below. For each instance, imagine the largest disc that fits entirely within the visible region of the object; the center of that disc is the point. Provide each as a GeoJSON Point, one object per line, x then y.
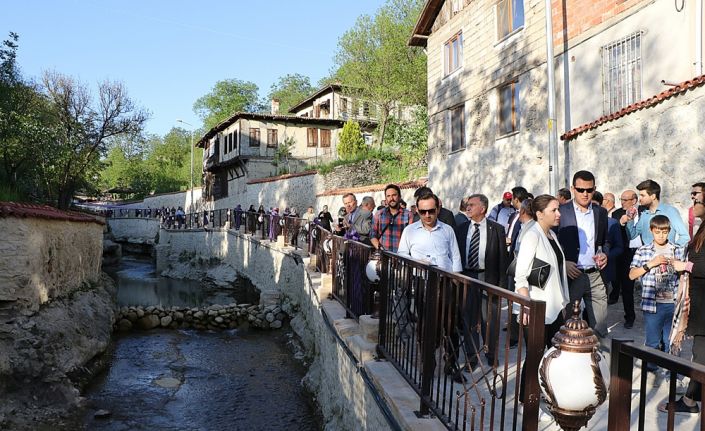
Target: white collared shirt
{"type": "Point", "coordinates": [483, 241]}
{"type": "Point", "coordinates": [586, 236]}
{"type": "Point", "coordinates": [438, 245]}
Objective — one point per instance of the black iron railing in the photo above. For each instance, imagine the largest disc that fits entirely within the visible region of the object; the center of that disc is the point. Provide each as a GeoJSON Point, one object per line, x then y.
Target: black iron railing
{"type": "Point", "coordinates": [433, 323]}
{"type": "Point", "coordinates": [624, 352]}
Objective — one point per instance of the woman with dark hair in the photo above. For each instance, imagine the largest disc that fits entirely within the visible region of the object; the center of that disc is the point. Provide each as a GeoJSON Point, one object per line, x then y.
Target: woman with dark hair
{"type": "Point", "coordinates": [695, 319]}
{"type": "Point", "coordinates": [251, 220]}
{"type": "Point", "coordinates": [539, 241]}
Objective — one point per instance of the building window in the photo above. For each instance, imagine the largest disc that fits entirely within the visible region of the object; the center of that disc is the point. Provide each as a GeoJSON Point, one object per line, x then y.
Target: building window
{"type": "Point", "coordinates": [344, 105]}
{"type": "Point", "coordinates": [254, 137]}
{"type": "Point", "coordinates": [453, 54]}
{"type": "Point", "coordinates": [509, 108]}
{"type": "Point", "coordinates": [272, 138]}
{"type": "Point", "coordinates": [312, 139]}
{"type": "Point", "coordinates": [456, 119]}
{"type": "Point", "coordinates": [621, 73]}
{"type": "Point", "coordinates": [510, 17]}
{"type": "Point", "coordinates": [366, 109]}
{"type": "Point", "coordinates": [325, 138]}
{"type": "Point", "coordinates": [232, 142]}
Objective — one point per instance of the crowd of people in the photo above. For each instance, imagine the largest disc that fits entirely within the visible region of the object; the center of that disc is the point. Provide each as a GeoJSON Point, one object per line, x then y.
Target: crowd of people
{"type": "Point", "coordinates": [595, 252]}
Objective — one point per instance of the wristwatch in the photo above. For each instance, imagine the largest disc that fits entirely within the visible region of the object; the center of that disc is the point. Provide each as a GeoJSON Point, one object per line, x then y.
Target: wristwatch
{"type": "Point", "coordinates": [646, 267]}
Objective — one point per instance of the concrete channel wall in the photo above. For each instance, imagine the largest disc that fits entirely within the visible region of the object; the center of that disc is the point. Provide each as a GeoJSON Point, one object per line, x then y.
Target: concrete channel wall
{"type": "Point", "coordinates": [344, 376]}
{"type": "Point", "coordinates": [134, 230]}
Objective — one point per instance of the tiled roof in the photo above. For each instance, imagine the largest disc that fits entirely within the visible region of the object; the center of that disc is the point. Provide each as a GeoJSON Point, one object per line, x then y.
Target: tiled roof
{"type": "Point", "coordinates": [281, 177]}
{"type": "Point", "coordinates": [23, 210]}
{"type": "Point", "coordinates": [647, 103]}
{"type": "Point", "coordinates": [415, 184]}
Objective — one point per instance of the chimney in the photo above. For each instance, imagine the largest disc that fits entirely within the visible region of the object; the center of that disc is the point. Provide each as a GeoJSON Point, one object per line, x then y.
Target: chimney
{"type": "Point", "coordinates": [275, 106]}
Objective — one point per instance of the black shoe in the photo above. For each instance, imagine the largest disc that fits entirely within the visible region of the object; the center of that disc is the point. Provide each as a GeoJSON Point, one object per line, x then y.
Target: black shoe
{"type": "Point", "coordinates": [629, 325]}
{"type": "Point", "coordinates": [611, 301]}
{"type": "Point", "coordinates": [680, 408]}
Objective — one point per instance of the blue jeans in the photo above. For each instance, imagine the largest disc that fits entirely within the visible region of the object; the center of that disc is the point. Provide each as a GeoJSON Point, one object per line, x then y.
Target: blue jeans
{"type": "Point", "coordinates": [658, 328]}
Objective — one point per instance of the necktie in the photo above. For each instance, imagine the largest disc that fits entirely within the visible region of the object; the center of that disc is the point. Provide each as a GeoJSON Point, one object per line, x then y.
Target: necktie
{"type": "Point", "coordinates": [474, 252]}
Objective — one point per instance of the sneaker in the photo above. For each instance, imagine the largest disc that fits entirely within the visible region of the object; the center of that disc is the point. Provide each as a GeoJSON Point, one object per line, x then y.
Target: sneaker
{"type": "Point", "coordinates": [629, 325]}
{"type": "Point", "coordinates": [680, 408]}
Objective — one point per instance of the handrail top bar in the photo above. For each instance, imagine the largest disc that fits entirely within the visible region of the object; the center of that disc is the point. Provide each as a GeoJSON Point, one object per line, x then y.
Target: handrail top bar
{"type": "Point", "coordinates": [662, 359]}
{"type": "Point", "coordinates": [496, 290]}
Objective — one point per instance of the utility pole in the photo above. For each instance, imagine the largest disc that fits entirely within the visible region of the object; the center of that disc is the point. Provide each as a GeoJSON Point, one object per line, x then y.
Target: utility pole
{"type": "Point", "coordinates": [552, 132]}
{"type": "Point", "coordinates": [191, 131]}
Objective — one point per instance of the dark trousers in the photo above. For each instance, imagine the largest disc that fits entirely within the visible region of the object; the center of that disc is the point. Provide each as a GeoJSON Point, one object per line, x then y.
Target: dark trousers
{"type": "Point", "coordinates": [693, 391]}
{"type": "Point", "coordinates": [622, 284]}
{"type": "Point", "coordinates": [478, 313]}
{"type": "Point", "coordinates": [549, 331]}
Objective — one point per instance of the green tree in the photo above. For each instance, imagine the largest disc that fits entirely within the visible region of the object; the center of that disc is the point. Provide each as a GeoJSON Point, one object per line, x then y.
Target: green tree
{"type": "Point", "coordinates": [375, 62]}
{"type": "Point", "coordinates": [24, 113]}
{"type": "Point", "coordinates": [290, 89]}
{"type": "Point", "coordinates": [351, 144]}
{"type": "Point", "coordinates": [226, 98]}
{"type": "Point", "coordinates": [283, 155]}
{"type": "Point", "coordinates": [81, 131]}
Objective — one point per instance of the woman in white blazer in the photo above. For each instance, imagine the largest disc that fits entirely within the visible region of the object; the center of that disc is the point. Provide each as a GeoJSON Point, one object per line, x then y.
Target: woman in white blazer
{"type": "Point", "coordinates": [541, 242]}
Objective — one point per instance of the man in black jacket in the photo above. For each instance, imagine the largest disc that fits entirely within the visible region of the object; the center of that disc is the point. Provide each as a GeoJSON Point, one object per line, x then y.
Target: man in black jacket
{"type": "Point", "coordinates": [445, 215]}
{"type": "Point", "coordinates": [483, 253]}
{"type": "Point", "coordinates": [583, 236]}
{"type": "Point", "coordinates": [622, 283]}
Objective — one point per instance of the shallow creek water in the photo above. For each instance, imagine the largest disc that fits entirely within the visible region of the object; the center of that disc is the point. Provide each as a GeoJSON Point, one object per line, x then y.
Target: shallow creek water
{"type": "Point", "coordinates": [195, 380]}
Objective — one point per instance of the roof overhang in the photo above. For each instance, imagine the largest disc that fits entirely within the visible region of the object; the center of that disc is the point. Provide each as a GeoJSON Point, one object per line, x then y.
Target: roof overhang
{"type": "Point", "coordinates": [422, 29]}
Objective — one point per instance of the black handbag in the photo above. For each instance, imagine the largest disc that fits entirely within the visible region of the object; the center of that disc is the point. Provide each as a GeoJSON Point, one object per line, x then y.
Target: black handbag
{"type": "Point", "coordinates": [538, 276]}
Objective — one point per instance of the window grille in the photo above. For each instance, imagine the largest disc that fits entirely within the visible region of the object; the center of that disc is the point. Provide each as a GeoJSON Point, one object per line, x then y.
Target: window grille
{"type": "Point", "coordinates": [621, 73]}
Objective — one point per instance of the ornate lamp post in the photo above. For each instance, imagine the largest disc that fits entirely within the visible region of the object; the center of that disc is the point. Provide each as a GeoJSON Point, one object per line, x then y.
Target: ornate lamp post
{"type": "Point", "coordinates": [574, 374]}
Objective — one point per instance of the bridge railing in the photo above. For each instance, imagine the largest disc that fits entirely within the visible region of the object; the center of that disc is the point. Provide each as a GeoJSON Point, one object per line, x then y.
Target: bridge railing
{"type": "Point", "coordinates": [434, 323]}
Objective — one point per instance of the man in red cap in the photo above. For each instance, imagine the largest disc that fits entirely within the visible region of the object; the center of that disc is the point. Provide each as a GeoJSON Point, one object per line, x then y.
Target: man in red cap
{"type": "Point", "coordinates": [503, 211]}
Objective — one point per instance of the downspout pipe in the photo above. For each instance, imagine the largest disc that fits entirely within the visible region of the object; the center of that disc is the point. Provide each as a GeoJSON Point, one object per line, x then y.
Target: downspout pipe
{"type": "Point", "coordinates": [551, 96]}
{"type": "Point", "coordinates": [698, 37]}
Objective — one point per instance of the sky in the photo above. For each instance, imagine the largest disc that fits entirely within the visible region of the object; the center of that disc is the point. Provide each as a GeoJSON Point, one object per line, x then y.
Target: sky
{"type": "Point", "coordinates": [170, 53]}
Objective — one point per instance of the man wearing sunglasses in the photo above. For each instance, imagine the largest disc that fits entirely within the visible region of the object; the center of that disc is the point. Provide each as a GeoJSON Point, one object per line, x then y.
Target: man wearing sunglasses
{"type": "Point", "coordinates": [582, 234]}
{"type": "Point", "coordinates": [697, 194]}
{"type": "Point", "coordinates": [429, 239]}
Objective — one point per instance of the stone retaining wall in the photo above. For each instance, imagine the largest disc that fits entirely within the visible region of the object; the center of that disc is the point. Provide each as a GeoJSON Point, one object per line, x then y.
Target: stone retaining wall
{"type": "Point", "coordinates": [134, 230]}
{"type": "Point", "coordinates": [213, 317]}
{"type": "Point", "coordinates": [285, 277]}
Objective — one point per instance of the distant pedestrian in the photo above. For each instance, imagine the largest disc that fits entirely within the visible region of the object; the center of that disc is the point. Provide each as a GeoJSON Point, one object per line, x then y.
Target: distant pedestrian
{"type": "Point", "coordinates": [501, 212]}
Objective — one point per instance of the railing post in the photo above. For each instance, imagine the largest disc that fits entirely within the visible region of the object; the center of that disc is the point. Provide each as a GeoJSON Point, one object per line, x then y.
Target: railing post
{"type": "Point", "coordinates": [428, 343]}
{"type": "Point", "coordinates": [383, 299]}
{"type": "Point", "coordinates": [534, 353]}
{"type": "Point", "coordinates": [621, 374]}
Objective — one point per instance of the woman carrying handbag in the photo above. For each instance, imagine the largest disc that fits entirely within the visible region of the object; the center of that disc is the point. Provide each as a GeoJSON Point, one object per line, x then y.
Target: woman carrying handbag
{"type": "Point", "coordinates": [539, 246]}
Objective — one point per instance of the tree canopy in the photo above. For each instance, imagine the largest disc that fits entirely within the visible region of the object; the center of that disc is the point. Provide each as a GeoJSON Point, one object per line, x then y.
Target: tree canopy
{"type": "Point", "coordinates": [226, 98]}
{"type": "Point", "coordinates": [290, 89]}
{"type": "Point", "coordinates": [374, 61]}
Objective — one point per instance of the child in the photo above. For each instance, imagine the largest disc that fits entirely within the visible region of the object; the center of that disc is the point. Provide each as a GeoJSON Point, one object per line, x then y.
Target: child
{"type": "Point", "coordinates": [653, 264]}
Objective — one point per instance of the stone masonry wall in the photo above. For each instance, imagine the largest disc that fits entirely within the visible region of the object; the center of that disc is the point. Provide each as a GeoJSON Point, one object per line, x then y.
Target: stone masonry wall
{"type": "Point", "coordinates": [134, 230]}
{"type": "Point", "coordinates": [43, 259]}
{"type": "Point", "coordinates": [665, 143]}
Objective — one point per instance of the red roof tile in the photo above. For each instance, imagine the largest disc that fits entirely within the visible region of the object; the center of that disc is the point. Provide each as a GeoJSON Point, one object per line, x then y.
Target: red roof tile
{"type": "Point", "coordinates": [415, 184]}
{"type": "Point", "coordinates": [23, 210]}
{"type": "Point", "coordinates": [636, 106]}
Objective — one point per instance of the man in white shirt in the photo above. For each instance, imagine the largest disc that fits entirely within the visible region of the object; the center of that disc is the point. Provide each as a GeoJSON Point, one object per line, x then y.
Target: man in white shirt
{"type": "Point", "coordinates": [429, 239]}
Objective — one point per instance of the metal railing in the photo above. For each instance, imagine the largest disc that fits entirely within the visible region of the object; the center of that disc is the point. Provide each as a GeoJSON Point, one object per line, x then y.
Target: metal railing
{"type": "Point", "coordinates": [621, 376]}
{"type": "Point", "coordinates": [425, 312]}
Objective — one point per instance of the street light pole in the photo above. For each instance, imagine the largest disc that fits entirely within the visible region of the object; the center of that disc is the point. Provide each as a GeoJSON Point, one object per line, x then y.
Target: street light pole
{"type": "Point", "coordinates": [191, 171]}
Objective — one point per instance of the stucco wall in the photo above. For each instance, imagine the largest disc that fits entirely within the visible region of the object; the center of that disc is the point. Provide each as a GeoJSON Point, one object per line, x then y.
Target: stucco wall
{"type": "Point", "coordinates": [664, 143]}
{"type": "Point", "coordinates": [43, 259]}
{"type": "Point", "coordinates": [176, 199]}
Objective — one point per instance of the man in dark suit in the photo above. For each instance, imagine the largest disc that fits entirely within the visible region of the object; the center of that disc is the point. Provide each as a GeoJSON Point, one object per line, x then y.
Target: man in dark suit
{"type": "Point", "coordinates": [483, 253]}
{"type": "Point", "coordinates": [622, 283]}
{"type": "Point", "coordinates": [582, 234]}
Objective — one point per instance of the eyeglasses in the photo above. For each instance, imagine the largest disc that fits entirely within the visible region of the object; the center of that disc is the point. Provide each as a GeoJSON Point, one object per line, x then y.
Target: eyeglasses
{"type": "Point", "coordinates": [626, 199]}
{"type": "Point", "coordinates": [428, 211]}
{"type": "Point", "coordinates": [582, 190]}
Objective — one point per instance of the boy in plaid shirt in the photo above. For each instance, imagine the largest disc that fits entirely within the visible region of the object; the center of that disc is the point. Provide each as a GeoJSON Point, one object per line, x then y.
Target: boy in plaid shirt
{"type": "Point", "coordinates": [653, 263]}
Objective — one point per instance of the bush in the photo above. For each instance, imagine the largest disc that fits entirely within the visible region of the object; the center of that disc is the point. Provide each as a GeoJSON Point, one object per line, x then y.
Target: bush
{"type": "Point", "coordinates": [352, 144]}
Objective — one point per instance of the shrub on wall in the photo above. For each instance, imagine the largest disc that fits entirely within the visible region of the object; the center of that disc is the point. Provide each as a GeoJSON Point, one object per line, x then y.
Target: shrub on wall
{"type": "Point", "coordinates": [351, 144]}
